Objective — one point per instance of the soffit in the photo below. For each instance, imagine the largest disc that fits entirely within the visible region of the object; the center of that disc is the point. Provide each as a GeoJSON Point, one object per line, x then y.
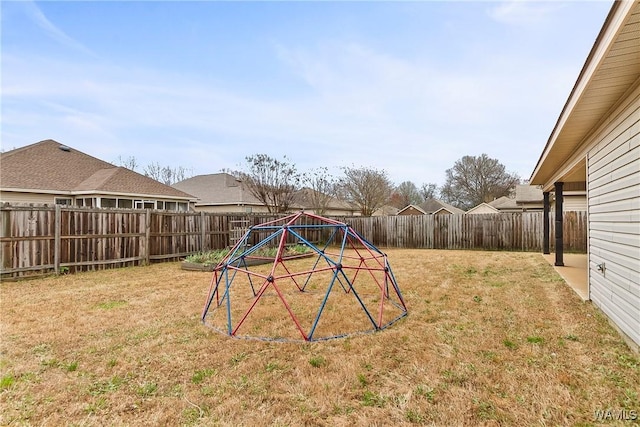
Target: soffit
{"type": "Point", "coordinates": [612, 69]}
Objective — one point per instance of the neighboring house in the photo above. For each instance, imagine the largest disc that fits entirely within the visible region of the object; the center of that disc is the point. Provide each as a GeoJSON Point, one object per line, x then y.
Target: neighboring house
{"type": "Point", "coordinates": [501, 204]}
{"type": "Point", "coordinates": [574, 197]}
{"type": "Point", "coordinates": [430, 207]}
{"type": "Point", "coordinates": [224, 193]}
{"type": "Point", "coordinates": [303, 199]}
{"type": "Point", "coordinates": [595, 145]}
{"type": "Point", "coordinates": [482, 208]}
{"type": "Point", "coordinates": [386, 210]}
{"type": "Point", "coordinates": [505, 204]}
{"type": "Point", "coordinates": [529, 198]}
{"type": "Point", "coordinates": [48, 172]}
{"type": "Point", "coordinates": [220, 193]}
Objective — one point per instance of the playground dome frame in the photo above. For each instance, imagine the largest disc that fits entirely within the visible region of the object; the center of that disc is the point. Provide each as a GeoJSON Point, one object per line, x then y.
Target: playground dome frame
{"type": "Point", "coordinates": [342, 286]}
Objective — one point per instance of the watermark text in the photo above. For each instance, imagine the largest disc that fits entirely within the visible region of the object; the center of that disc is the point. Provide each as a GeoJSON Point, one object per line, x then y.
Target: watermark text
{"type": "Point", "coordinates": [610, 414]}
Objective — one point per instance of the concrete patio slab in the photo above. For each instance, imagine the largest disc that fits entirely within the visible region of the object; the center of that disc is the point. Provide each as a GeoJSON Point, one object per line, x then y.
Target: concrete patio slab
{"type": "Point", "coordinates": [574, 272]}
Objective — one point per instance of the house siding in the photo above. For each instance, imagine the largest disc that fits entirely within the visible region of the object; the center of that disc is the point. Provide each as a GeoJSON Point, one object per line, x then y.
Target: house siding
{"type": "Point", "coordinates": [482, 210]}
{"type": "Point", "coordinates": [29, 198]}
{"type": "Point", "coordinates": [613, 169]}
{"type": "Point", "coordinates": [574, 203]}
{"type": "Point", "coordinates": [410, 211]}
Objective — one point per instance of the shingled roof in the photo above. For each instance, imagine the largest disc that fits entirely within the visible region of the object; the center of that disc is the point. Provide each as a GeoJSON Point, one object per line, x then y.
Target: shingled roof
{"type": "Point", "coordinates": [225, 189]}
{"type": "Point", "coordinates": [50, 166]}
{"type": "Point", "coordinates": [217, 189]}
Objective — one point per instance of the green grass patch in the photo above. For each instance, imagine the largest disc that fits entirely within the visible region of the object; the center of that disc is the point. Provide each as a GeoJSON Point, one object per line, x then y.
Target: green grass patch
{"type": "Point", "coordinates": [7, 381]}
{"type": "Point", "coordinates": [108, 305]}
{"type": "Point", "coordinates": [200, 375]}
{"type": "Point", "coordinates": [370, 398]}
{"type": "Point", "coordinates": [214, 257]}
{"type": "Point", "coordinates": [535, 339]}
{"type": "Point", "coordinates": [317, 361]}
{"type": "Point", "coordinates": [509, 344]}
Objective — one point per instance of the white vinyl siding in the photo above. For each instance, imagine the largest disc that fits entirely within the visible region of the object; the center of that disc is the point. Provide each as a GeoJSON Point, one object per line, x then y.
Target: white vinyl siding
{"type": "Point", "coordinates": [574, 203]}
{"type": "Point", "coordinates": [614, 219]}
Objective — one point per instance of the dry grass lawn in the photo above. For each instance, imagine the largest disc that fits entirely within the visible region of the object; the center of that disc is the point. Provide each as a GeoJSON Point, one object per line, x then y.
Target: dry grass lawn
{"type": "Point", "coordinates": [492, 338]}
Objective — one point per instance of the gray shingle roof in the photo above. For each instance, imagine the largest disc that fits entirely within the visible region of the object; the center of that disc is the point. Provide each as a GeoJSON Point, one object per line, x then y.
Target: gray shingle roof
{"type": "Point", "coordinates": [433, 205]}
{"type": "Point", "coordinates": [217, 189]}
{"type": "Point", "coordinates": [504, 202]}
{"type": "Point", "coordinates": [50, 166]}
{"type": "Point", "coordinates": [528, 193]}
{"type": "Point", "coordinates": [225, 189]}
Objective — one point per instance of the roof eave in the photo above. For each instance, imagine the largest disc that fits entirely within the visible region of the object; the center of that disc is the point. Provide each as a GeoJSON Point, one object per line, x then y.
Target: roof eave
{"type": "Point", "coordinates": [609, 30]}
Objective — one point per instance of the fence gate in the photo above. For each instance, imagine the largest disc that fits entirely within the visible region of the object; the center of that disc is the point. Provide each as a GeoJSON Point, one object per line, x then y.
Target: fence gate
{"type": "Point", "coordinates": [237, 228]}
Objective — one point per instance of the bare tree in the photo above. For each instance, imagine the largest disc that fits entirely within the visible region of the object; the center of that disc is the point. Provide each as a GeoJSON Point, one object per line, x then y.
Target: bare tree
{"type": "Point", "coordinates": [368, 188]}
{"type": "Point", "coordinates": [166, 174]}
{"type": "Point", "coordinates": [474, 180]}
{"type": "Point", "coordinates": [272, 181]}
{"type": "Point", "coordinates": [322, 186]}
{"type": "Point", "coordinates": [429, 191]}
{"type": "Point", "coordinates": [406, 193]}
{"type": "Point", "coordinates": [129, 163]}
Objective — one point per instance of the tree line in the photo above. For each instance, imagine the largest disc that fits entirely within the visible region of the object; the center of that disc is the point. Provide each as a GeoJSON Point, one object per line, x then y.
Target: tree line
{"type": "Point", "coordinates": [275, 182]}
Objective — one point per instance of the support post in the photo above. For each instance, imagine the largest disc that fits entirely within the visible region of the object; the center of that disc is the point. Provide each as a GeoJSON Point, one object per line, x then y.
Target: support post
{"type": "Point", "coordinates": [545, 224]}
{"type": "Point", "coordinates": [559, 223]}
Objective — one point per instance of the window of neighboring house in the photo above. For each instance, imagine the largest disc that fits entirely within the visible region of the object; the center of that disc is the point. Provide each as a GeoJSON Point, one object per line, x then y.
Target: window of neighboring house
{"type": "Point", "coordinates": [125, 203]}
{"type": "Point", "coordinates": [108, 203]}
{"type": "Point", "coordinates": [145, 204]}
{"type": "Point", "coordinates": [170, 206]}
{"type": "Point", "coordinates": [88, 201]}
{"type": "Point", "coordinates": [63, 201]}
{"type": "Point", "coordinates": [248, 209]}
{"type": "Point", "coordinates": [160, 204]}
{"type": "Point", "coordinates": [183, 207]}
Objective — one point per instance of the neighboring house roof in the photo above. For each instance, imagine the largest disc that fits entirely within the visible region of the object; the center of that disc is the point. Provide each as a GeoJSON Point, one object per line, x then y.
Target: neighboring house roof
{"type": "Point", "coordinates": [611, 69]}
{"type": "Point", "coordinates": [304, 199]}
{"type": "Point", "coordinates": [412, 209]}
{"type": "Point", "coordinates": [482, 208]}
{"type": "Point", "coordinates": [48, 166]}
{"type": "Point", "coordinates": [431, 206]}
{"type": "Point", "coordinates": [218, 189]}
{"type": "Point", "coordinates": [504, 203]}
{"type": "Point", "coordinates": [386, 210]}
{"type": "Point", "coordinates": [501, 204]}
{"type": "Point", "coordinates": [528, 194]}
{"type": "Point", "coordinates": [223, 189]}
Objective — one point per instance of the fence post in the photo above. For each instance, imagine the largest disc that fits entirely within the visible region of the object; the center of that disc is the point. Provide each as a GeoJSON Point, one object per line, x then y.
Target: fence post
{"type": "Point", "coordinates": [203, 245]}
{"type": "Point", "coordinates": [56, 239]}
{"type": "Point", "coordinates": [5, 231]}
{"type": "Point", "coordinates": [147, 236]}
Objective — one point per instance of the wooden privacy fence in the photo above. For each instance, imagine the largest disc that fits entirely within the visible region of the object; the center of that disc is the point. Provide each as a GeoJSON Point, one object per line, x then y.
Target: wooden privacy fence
{"type": "Point", "coordinates": [500, 231]}
{"type": "Point", "coordinates": [39, 240]}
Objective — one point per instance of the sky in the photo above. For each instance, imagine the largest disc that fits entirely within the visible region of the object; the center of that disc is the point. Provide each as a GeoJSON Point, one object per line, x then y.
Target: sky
{"type": "Point", "coordinates": [407, 87]}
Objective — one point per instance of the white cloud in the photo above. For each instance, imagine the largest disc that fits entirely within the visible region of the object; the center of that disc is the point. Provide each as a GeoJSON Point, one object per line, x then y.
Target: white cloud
{"type": "Point", "coordinates": [52, 31]}
{"type": "Point", "coordinates": [363, 107]}
{"type": "Point", "coordinates": [523, 12]}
